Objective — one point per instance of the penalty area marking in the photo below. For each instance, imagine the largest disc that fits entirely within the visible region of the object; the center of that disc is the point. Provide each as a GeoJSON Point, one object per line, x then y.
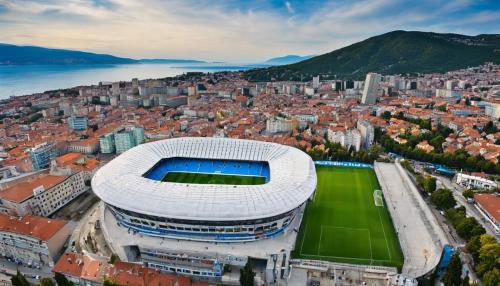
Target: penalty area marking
{"type": "Point", "coordinates": [382, 226]}
{"type": "Point", "coordinates": [340, 257]}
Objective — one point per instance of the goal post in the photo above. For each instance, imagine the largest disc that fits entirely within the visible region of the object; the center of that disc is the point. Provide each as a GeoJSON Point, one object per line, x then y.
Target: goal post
{"type": "Point", "coordinates": [377, 198]}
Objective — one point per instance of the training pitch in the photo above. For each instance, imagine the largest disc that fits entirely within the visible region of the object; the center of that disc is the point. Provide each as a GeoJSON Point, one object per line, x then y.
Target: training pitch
{"type": "Point", "coordinates": [219, 179]}
{"type": "Point", "coordinates": [345, 224]}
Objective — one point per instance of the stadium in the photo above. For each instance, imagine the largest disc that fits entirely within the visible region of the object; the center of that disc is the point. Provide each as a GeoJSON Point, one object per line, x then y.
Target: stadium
{"type": "Point", "coordinates": [196, 205]}
{"type": "Point", "coordinates": [207, 189]}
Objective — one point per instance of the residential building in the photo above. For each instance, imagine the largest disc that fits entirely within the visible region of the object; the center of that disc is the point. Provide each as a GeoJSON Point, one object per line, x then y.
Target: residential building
{"type": "Point", "coordinates": [32, 240]}
{"type": "Point", "coordinates": [107, 143]}
{"type": "Point", "coordinates": [78, 122]}
{"type": "Point", "coordinates": [492, 109]}
{"type": "Point", "coordinates": [41, 195]}
{"type": "Point", "coordinates": [475, 182]}
{"type": "Point", "coordinates": [424, 145]}
{"type": "Point", "coordinates": [73, 163]}
{"type": "Point", "coordinates": [309, 118]}
{"type": "Point", "coordinates": [346, 138]}
{"type": "Point", "coordinates": [82, 270]}
{"type": "Point", "coordinates": [280, 125]}
{"type": "Point", "coordinates": [448, 93]}
{"type": "Point", "coordinates": [42, 154]}
{"type": "Point", "coordinates": [166, 90]}
{"type": "Point", "coordinates": [309, 91]}
{"type": "Point", "coordinates": [85, 146]}
{"type": "Point", "coordinates": [174, 101]}
{"type": "Point", "coordinates": [489, 204]}
{"type": "Point", "coordinates": [367, 133]}
{"type": "Point", "coordinates": [139, 135]}
{"type": "Point", "coordinates": [87, 271]}
{"type": "Point", "coordinates": [370, 90]}
{"type": "Point", "coordinates": [124, 140]}
{"type": "Point", "coordinates": [315, 82]}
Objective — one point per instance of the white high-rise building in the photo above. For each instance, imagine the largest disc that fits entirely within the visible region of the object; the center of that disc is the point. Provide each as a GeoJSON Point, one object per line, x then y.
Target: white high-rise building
{"type": "Point", "coordinates": [449, 84]}
{"type": "Point", "coordinates": [492, 109]}
{"type": "Point", "coordinates": [371, 88]}
{"type": "Point", "coordinates": [115, 88]}
{"type": "Point", "coordinates": [315, 82]}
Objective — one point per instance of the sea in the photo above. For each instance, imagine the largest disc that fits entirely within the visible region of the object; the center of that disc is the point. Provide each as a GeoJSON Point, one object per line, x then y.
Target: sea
{"type": "Point", "coordinates": [18, 80]}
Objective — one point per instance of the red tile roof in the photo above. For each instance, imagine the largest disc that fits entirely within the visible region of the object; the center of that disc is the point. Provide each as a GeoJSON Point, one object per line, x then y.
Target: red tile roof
{"type": "Point", "coordinates": [24, 190]}
{"type": "Point", "coordinates": [39, 227]}
{"type": "Point", "coordinates": [123, 273]}
{"type": "Point", "coordinates": [68, 158]}
{"type": "Point", "coordinates": [490, 203]}
{"type": "Point", "coordinates": [77, 265]}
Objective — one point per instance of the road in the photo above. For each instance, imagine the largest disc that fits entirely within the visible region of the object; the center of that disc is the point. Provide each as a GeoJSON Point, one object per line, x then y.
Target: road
{"type": "Point", "coordinates": [457, 190]}
{"type": "Point", "coordinates": [10, 268]}
{"type": "Point", "coordinates": [455, 240]}
{"type": "Point", "coordinates": [470, 209]}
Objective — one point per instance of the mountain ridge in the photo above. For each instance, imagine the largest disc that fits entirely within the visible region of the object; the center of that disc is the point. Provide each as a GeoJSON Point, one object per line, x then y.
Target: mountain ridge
{"type": "Point", "coordinates": [288, 59]}
{"type": "Point", "coordinates": [34, 55]}
{"type": "Point", "coordinates": [391, 53]}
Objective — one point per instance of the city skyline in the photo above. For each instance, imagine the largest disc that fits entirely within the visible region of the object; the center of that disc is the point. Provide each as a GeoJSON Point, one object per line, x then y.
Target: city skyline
{"type": "Point", "coordinates": [233, 31]}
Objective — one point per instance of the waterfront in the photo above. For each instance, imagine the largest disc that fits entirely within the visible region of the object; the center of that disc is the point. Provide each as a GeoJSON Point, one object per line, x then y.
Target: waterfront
{"type": "Point", "coordinates": [27, 79]}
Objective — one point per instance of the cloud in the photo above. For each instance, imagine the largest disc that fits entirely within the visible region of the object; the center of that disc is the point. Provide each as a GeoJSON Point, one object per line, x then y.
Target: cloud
{"type": "Point", "coordinates": [229, 30]}
{"type": "Point", "coordinates": [289, 7]}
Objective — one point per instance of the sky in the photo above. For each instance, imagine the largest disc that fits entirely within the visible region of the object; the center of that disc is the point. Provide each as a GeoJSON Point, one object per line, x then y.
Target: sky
{"type": "Point", "coordinates": [230, 30]}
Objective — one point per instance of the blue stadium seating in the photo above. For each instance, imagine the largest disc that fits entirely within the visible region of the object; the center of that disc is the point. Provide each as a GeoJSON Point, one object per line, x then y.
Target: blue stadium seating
{"type": "Point", "coordinates": [208, 166]}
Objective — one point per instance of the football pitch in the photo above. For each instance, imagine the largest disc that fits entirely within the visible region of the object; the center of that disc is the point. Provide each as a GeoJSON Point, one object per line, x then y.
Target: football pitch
{"type": "Point", "coordinates": [347, 221]}
{"type": "Point", "coordinates": [220, 179]}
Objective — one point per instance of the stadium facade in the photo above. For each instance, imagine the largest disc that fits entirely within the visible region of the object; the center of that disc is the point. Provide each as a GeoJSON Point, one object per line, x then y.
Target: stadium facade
{"type": "Point", "coordinates": [197, 228]}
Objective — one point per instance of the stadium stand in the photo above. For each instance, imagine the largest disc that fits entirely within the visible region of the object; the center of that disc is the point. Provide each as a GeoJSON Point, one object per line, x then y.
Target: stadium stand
{"type": "Point", "coordinates": [422, 240]}
{"type": "Point", "coordinates": [208, 166]}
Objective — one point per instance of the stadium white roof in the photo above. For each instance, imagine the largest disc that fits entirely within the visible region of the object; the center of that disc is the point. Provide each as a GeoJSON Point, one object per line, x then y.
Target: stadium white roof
{"type": "Point", "coordinates": [292, 181]}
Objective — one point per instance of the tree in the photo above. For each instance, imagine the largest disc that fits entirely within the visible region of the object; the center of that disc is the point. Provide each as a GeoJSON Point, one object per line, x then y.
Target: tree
{"type": "Point", "coordinates": [46, 282]}
{"type": "Point", "coordinates": [386, 115]}
{"type": "Point", "coordinates": [468, 194]}
{"type": "Point", "coordinates": [407, 165]}
{"type": "Point", "coordinates": [443, 199]}
{"type": "Point", "coordinates": [468, 228]}
{"type": "Point", "coordinates": [420, 180]}
{"type": "Point", "coordinates": [437, 142]}
{"type": "Point", "coordinates": [430, 184]}
{"type": "Point", "coordinates": [490, 127]}
{"type": "Point", "coordinates": [489, 254]}
{"type": "Point", "coordinates": [247, 275]}
{"type": "Point", "coordinates": [113, 258]}
{"type": "Point", "coordinates": [110, 282]}
{"type": "Point", "coordinates": [473, 247]}
{"type": "Point", "coordinates": [19, 279]}
{"type": "Point", "coordinates": [492, 277]}
{"type": "Point", "coordinates": [61, 280]}
{"type": "Point", "coordinates": [452, 274]}
{"type": "Point", "coordinates": [465, 281]}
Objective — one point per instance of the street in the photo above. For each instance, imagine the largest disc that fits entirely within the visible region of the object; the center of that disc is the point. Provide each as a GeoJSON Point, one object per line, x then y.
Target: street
{"type": "Point", "coordinates": [469, 208]}
{"type": "Point", "coordinates": [8, 269]}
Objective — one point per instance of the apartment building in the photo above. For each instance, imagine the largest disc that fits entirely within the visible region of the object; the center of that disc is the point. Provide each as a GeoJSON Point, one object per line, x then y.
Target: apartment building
{"type": "Point", "coordinates": [42, 154]}
{"type": "Point", "coordinates": [41, 195]}
{"type": "Point", "coordinates": [346, 138]}
{"type": "Point", "coordinates": [32, 240]}
{"type": "Point", "coordinates": [87, 271]}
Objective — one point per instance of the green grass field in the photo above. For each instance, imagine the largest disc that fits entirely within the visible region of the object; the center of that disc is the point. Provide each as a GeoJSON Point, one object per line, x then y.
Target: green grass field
{"type": "Point", "coordinates": [200, 178]}
{"type": "Point", "coordinates": [343, 224]}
